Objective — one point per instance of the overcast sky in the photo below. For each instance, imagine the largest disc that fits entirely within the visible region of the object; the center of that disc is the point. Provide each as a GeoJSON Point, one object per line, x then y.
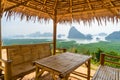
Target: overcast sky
{"type": "Point", "coordinates": [18, 27]}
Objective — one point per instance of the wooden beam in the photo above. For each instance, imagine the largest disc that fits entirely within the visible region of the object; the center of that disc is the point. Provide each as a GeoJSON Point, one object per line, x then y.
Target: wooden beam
{"type": "Point", "coordinates": [89, 4]}
{"type": "Point", "coordinates": [89, 11]}
{"type": "Point", "coordinates": [44, 4]}
{"type": "Point", "coordinates": [55, 5]}
{"type": "Point", "coordinates": [70, 6]}
{"type": "Point", "coordinates": [90, 7]}
{"type": "Point", "coordinates": [117, 57]}
{"type": "Point", "coordinates": [33, 8]}
{"type": "Point", "coordinates": [37, 9]}
{"type": "Point", "coordinates": [44, 1]}
{"type": "Point", "coordinates": [17, 5]}
{"type": "Point", "coordinates": [82, 4]}
{"type": "Point", "coordinates": [112, 62]}
{"type": "Point", "coordinates": [116, 11]}
{"type": "Point", "coordinates": [113, 12]}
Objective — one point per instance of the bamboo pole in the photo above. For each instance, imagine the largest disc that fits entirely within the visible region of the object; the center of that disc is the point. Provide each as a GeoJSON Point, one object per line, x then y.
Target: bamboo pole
{"type": "Point", "coordinates": [54, 33]}
{"type": "Point", "coordinates": [55, 27]}
{"type": "Point", "coordinates": [0, 37]}
{"type": "Point", "coordinates": [0, 34]}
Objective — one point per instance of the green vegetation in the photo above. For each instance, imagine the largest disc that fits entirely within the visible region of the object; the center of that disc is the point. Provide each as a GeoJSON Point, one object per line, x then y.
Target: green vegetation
{"type": "Point", "coordinates": [23, 41]}
{"type": "Point", "coordinates": [93, 49]}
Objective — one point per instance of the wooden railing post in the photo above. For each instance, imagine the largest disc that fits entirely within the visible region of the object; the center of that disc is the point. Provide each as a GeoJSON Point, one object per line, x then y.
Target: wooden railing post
{"type": "Point", "coordinates": [64, 50]}
{"type": "Point", "coordinates": [88, 72]}
{"type": "Point", "coordinates": [8, 71]}
{"type": "Point", "coordinates": [102, 59]}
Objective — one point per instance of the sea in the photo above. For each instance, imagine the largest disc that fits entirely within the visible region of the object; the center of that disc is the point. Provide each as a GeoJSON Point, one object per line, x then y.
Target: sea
{"type": "Point", "coordinates": [32, 40]}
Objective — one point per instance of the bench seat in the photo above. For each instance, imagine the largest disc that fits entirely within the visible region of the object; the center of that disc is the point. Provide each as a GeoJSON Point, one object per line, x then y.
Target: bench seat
{"type": "Point", "coordinates": [23, 69]}
{"type": "Point", "coordinates": [107, 73]}
{"type": "Point", "coordinates": [19, 59]}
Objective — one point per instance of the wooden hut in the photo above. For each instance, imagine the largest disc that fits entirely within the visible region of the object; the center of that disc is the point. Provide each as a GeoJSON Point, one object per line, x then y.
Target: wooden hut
{"type": "Point", "coordinates": [61, 11]}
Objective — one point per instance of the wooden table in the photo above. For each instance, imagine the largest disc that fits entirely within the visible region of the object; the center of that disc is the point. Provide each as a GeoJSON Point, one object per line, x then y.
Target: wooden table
{"type": "Point", "coordinates": [62, 65]}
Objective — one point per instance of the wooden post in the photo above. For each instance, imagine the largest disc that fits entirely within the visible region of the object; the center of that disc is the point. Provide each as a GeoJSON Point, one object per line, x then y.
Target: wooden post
{"type": "Point", "coordinates": [8, 72]}
{"type": "Point", "coordinates": [64, 50]}
{"type": "Point", "coordinates": [54, 33]}
{"type": "Point", "coordinates": [0, 34]}
{"type": "Point", "coordinates": [102, 56]}
{"type": "Point", "coordinates": [37, 71]}
{"type": "Point", "coordinates": [88, 71]}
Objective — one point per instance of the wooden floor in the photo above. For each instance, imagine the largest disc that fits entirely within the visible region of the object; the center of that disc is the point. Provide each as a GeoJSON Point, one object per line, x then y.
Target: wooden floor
{"type": "Point", "coordinates": [72, 76]}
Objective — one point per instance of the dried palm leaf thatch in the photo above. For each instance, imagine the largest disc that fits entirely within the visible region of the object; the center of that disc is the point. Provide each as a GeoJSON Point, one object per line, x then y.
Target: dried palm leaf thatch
{"type": "Point", "coordinates": [64, 10]}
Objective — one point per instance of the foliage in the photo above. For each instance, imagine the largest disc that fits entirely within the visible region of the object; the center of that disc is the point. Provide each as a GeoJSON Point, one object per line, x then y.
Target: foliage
{"type": "Point", "coordinates": [23, 41]}
{"type": "Point", "coordinates": [98, 54]}
{"type": "Point", "coordinates": [93, 49]}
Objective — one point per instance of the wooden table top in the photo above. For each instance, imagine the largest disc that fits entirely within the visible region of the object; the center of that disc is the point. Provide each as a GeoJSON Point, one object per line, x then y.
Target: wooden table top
{"type": "Point", "coordinates": [63, 63]}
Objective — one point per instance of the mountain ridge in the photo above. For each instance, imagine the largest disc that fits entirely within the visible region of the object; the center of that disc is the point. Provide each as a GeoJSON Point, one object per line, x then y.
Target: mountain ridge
{"type": "Point", "coordinates": [113, 36]}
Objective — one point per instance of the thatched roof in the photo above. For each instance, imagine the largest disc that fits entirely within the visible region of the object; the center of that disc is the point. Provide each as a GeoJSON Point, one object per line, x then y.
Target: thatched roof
{"type": "Point", "coordinates": [65, 10]}
{"type": "Point", "coordinates": [62, 11]}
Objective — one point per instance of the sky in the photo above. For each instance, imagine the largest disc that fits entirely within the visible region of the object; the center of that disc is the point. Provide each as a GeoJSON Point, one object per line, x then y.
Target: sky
{"type": "Point", "coordinates": [17, 27]}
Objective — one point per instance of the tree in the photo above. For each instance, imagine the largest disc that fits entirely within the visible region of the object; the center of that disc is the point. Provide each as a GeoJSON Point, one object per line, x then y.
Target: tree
{"type": "Point", "coordinates": [99, 51]}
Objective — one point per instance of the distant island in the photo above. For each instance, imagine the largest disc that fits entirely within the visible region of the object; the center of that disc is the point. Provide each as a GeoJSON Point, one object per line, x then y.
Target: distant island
{"type": "Point", "coordinates": [37, 35]}
{"type": "Point", "coordinates": [75, 34]}
{"type": "Point", "coordinates": [102, 34]}
{"type": "Point", "coordinates": [72, 34]}
{"type": "Point", "coordinates": [113, 36]}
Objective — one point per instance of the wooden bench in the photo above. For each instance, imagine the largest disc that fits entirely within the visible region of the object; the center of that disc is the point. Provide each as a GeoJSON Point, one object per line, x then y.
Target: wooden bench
{"type": "Point", "coordinates": [19, 59]}
{"type": "Point", "coordinates": [106, 72]}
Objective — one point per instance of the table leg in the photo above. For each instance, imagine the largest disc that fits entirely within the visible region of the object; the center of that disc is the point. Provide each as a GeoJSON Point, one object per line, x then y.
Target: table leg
{"type": "Point", "coordinates": [88, 72]}
{"type": "Point", "coordinates": [65, 78]}
{"type": "Point", "coordinates": [38, 73]}
{"type": "Point", "coordinates": [53, 76]}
